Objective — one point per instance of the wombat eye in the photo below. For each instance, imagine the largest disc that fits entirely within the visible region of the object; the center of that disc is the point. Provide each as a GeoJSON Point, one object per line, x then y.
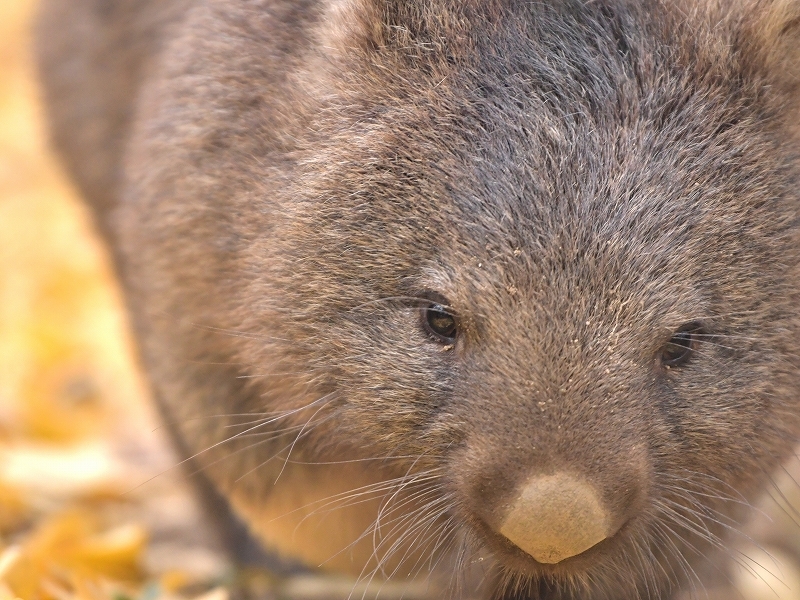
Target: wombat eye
{"type": "Point", "coordinates": [439, 323]}
{"type": "Point", "coordinates": [682, 345]}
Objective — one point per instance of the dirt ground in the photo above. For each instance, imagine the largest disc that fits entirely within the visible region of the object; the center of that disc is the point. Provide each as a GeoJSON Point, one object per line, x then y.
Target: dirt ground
{"type": "Point", "coordinates": [91, 506]}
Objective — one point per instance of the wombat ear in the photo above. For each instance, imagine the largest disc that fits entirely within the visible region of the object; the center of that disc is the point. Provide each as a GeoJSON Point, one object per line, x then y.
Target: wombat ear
{"type": "Point", "coordinates": [774, 34]}
{"type": "Point", "coordinates": [364, 24]}
{"type": "Point", "coordinates": [400, 23]}
{"type": "Point", "coordinates": [349, 24]}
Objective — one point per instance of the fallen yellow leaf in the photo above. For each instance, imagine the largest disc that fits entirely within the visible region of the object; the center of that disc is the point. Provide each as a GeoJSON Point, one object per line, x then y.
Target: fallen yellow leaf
{"type": "Point", "coordinates": [14, 511]}
{"type": "Point", "coordinates": [75, 543]}
{"type": "Point", "coordinates": [6, 593]}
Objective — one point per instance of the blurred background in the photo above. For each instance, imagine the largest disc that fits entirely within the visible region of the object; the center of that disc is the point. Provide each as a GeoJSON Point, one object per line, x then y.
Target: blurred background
{"type": "Point", "coordinates": [91, 506]}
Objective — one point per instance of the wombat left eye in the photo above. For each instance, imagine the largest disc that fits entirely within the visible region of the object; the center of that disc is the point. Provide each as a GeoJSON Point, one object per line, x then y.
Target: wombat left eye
{"type": "Point", "coordinates": [439, 323]}
{"type": "Point", "coordinates": [683, 344]}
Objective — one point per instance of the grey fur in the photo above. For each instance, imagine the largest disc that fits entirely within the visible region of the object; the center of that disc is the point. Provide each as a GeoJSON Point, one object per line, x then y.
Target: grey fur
{"type": "Point", "coordinates": [282, 182]}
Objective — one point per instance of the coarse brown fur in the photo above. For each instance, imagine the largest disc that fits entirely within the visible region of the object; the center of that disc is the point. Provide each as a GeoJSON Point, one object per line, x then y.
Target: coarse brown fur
{"type": "Point", "coordinates": [288, 185]}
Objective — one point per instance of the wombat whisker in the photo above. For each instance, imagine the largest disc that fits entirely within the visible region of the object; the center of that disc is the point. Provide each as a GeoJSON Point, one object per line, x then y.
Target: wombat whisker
{"type": "Point", "coordinates": [794, 481]}
{"type": "Point", "coordinates": [448, 548]}
{"type": "Point", "coordinates": [294, 443]}
{"type": "Point", "coordinates": [716, 360]}
{"type": "Point", "coordinates": [616, 574]}
{"type": "Point", "coordinates": [721, 315]}
{"type": "Point", "coordinates": [652, 544]}
{"type": "Point", "coordinates": [275, 374]}
{"type": "Point", "coordinates": [392, 506]}
{"type": "Point", "coordinates": [513, 584]}
{"type": "Point", "coordinates": [456, 570]}
{"type": "Point", "coordinates": [263, 418]}
{"type": "Point", "coordinates": [445, 538]}
{"type": "Point", "coordinates": [361, 499]}
{"type": "Point", "coordinates": [691, 496]}
{"type": "Point", "coordinates": [419, 299]}
{"type": "Point", "coordinates": [774, 574]}
{"type": "Point", "coordinates": [230, 415]}
{"type": "Point", "coordinates": [691, 519]}
{"type": "Point", "coordinates": [379, 559]}
{"type": "Point", "coordinates": [360, 460]}
{"type": "Point", "coordinates": [236, 333]}
{"type": "Point", "coordinates": [388, 503]}
{"type": "Point", "coordinates": [669, 536]}
{"type": "Point", "coordinates": [669, 547]}
{"type": "Point", "coordinates": [428, 527]}
{"type": "Point", "coordinates": [698, 478]}
{"type": "Point", "coordinates": [398, 523]}
{"type": "Point", "coordinates": [379, 536]}
{"type": "Point", "coordinates": [726, 336]}
{"type": "Point", "coordinates": [268, 436]}
{"type": "Point", "coordinates": [711, 495]}
{"type": "Point", "coordinates": [647, 551]}
{"type": "Point", "coordinates": [208, 417]}
{"type": "Point", "coordinates": [464, 555]}
{"type": "Point", "coordinates": [379, 487]}
{"type": "Point", "coordinates": [250, 432]}
{"type": "Point", "coordinates": [409, 538]}
{"type": "Point", "coordinates": [373, 494]}
{"type": "Point", "coordinates": [637, 563]}
{"type": "Point", "coordinates": [435, 544]}
{"type": "Point", "coordinates": [698, 530]}
{"type": "Point", "coordinates": [716, 345]}
{"type": "Point", "coordinates": [786, 505]}
{"type": "Point", "coordinates": [420, 522]}
{"type": "Point", "coordinates": [657, 540]}
{"type": "Point", "coordinates": [233, 453]}
{"type": "Point", "coordinates": [304, 431]}
{"type": "Point", "coordinates": [324, 399]}
{"type": "Point", "coordinates": [217, 363]}
{"type": "Point", "coordinates": [706, 514]}
{"type": "Point", "coordinates": [422, 477]}
{"type": "Point", "coordinates": [375, 529]}
{"type": "Point", "coordinates": [702, 531]}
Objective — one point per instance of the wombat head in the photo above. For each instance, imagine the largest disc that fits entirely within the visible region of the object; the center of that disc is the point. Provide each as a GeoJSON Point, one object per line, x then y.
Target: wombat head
{"type": "Point", "coordinates": [544, 254]}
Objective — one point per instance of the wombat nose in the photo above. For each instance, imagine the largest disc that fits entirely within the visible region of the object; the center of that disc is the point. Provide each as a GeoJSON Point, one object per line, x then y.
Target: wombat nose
{"type": "Point", "coordinates": [555, 517]}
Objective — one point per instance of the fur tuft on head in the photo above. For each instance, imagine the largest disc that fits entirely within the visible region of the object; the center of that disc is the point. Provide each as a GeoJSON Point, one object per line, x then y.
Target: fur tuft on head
{"type": "Point", "coordinates": [771, 29]}
{"type": "Point", "coordinates": [775, 50]}
{"type": "Point", "coordinates": [761, 38]}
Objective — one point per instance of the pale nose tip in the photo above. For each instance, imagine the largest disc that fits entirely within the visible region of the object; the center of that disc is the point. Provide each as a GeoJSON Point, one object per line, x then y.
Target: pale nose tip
{"type": "Point", "coordinates": [554, 517]}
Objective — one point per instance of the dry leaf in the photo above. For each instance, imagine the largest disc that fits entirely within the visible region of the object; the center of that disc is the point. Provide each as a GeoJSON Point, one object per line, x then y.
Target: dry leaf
{"type": "Point", "coordinates": [74, 543]}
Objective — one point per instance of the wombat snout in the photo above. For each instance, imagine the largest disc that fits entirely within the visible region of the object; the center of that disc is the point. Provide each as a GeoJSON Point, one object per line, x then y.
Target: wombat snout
{"type": "Point", "coordinates": [555, 517]}
{"type": "Point", "coordinates": [553, 507]}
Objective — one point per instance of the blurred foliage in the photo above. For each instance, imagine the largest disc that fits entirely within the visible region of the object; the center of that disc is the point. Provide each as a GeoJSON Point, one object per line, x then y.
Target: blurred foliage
{"type": "Point", "coordinates": [75, 431]}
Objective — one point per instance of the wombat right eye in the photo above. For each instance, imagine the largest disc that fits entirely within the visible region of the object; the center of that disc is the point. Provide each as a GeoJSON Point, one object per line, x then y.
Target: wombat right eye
{"type": "Point", "coordinates": [680, 348]}
{"type": "Point", "coordinates": [439, 323]}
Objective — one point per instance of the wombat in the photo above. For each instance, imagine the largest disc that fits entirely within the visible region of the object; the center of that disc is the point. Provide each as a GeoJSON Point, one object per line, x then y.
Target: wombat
{"type": "Point", "coordinates": [498, 290]}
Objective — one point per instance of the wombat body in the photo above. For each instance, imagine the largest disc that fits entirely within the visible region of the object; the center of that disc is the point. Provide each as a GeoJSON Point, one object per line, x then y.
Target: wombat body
{"type": "Point", "coordinates": [494, 287]}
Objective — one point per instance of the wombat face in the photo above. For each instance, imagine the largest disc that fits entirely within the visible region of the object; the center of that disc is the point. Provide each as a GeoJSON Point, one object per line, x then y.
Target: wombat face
{"type": "Point", "coordinates": [539, 259]}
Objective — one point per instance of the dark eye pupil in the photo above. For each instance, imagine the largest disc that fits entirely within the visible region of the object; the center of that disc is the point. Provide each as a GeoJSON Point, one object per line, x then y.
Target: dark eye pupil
{"type": "Point", "coordinates": [440, 323]}
{"type": "Point", "coordinates": [682, 345]}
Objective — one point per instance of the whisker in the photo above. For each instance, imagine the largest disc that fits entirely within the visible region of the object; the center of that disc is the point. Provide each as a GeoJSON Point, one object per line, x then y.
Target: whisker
{"type": "Point", "coordinates": [369, 488]}
{"type": "Point", "coordinates": [323, 399]}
